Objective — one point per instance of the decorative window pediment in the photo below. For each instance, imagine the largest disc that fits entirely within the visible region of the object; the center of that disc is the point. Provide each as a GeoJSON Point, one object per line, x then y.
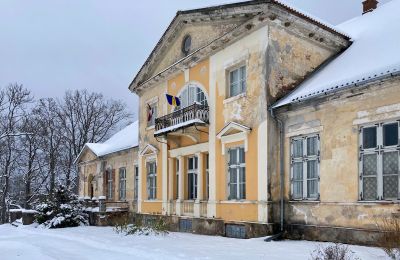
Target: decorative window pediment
{"type": "Point", "coordinates": [234, 132]}
{"type": "Point", "coordinates": [149, 150]}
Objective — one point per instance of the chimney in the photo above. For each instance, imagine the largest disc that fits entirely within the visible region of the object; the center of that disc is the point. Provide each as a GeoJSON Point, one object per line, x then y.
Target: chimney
{"type": "Point", "coordinates": [369, 6]}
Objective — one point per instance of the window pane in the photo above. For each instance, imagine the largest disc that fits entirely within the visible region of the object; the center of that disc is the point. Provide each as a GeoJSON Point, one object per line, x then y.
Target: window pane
{"type": "Point", "coordinates": [390, 134]}
{"type": "Point", "coordinates": [234, 76]}
{"type": "Point", "coordinates": [241, 155]}
{"type": "Point", "coordinates": [232, 156]}
{"type": "Point", "coordinates": [234, 89]}
{"type": "Point", "coordinates": [369, 137]}
{"type": "Point", "coordinates": [312, 146]}
{"type": "Point", "coordinates": [312, 188]}
{"type": "Point", "coordinates": [242, 174]}
{"type": "Point", "coordinates": [298, 189]}
{"type": "Point", "coordinates": [390, 186]}
{"type": "Point", "coordinates": [370, 164]}
{"type": "Point", "coordinates": [242, 191]}
{"type": "Point", "coordinates": [369, 188]}
{"type": "Point", "coordinates": [298, 148]}
{"type": "Point", "coordinates": [232, 191]}
{"type": "Point", "coordinates": [390, 163]}
{"type": "Point", "coordinates": [298, 171]}
{"type": "Point", "coordinates": [312, 169]}
{"type": "Point", "coordinates": [232, 175]}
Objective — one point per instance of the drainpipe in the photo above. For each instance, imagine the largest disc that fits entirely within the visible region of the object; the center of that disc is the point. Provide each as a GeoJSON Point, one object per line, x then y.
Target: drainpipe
{"type": "Point", "coordinates": [281, 169]}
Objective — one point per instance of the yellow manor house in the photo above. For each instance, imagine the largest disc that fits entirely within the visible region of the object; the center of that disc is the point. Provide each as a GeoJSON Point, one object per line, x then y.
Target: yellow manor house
{"type": "Point", "coordinates": [257, 119]}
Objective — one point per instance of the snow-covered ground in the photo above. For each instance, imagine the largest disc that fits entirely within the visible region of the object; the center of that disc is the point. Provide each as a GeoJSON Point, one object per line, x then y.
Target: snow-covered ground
{"type": "Point", "coordinates": [27, 242]}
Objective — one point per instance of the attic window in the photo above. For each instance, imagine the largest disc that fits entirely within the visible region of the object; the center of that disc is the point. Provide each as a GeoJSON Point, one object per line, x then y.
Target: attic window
{"type": "Point", "coordinates": [186, 44]}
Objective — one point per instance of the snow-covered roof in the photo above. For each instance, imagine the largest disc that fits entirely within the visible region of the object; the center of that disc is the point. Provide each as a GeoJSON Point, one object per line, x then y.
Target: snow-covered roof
{"type": "Point", "coordinates": [373, 54]}
{"type": "Point", "coordinates": [125, 139]}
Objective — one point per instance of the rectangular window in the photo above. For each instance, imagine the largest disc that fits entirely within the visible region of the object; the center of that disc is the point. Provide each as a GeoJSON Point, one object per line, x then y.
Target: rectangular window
{"type": "Point", "coordinates": [122, 183]}
{"type": "Point", "coordinates": [305, 158]}
{"type": "Point", "coordinates": [151, 114]}
{"type": "Point", "coordinates": [192, 177]}
{"type": "Point", "coordinates": [136, 191]}
{"type": "Point", "coordinates": [151, 180]}
{"type": "Point", "coordinates": [109, 184]}
{"type": "Point", "coordinates": [237, 174]}
{"type": "Point", "coordinates": [237, 81]}
{"type": "Point", "coordinates": [379, 161]}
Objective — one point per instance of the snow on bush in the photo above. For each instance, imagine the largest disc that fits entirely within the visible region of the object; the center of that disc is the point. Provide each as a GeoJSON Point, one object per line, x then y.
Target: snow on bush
{"type": "Point", "coordinates": [63, 209]}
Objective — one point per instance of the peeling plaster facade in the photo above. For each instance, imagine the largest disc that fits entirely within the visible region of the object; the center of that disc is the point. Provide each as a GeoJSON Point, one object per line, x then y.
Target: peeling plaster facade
{"type": "Point", "coordinates": [279, 49]}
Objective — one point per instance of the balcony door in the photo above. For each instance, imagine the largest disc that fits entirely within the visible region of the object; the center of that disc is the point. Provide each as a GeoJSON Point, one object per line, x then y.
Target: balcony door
{"type": "Point", "coordinates": [192, 174]}
{"type": "Point", "coordinates": [192, 94]}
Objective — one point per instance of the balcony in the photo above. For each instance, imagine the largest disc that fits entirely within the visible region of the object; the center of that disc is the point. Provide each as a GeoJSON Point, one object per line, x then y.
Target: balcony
{"type": "Point", "coordinates": [195, 114]}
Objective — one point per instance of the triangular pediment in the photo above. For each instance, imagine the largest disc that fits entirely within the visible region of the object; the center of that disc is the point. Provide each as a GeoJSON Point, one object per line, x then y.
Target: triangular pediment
{"type": "Point", "coordinates": [233, 128]}
{"type": "Point", "coordinates": [149, 150]}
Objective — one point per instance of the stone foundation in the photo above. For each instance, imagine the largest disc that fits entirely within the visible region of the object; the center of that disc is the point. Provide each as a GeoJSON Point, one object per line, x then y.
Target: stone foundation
{"type": "Point", "coordinates": [333, 234]}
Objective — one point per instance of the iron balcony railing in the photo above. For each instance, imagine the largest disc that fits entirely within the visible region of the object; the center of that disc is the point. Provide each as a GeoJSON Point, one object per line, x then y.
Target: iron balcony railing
{"type": "Point", "coordinates": [195, 114]}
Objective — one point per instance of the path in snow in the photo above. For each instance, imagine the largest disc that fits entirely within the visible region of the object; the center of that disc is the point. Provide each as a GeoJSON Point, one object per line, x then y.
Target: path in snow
{"type": "Point", "coordinates": [99, 243]}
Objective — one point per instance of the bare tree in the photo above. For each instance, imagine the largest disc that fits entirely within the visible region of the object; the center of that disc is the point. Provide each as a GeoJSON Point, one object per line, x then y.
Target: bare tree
{"type": "Point", "coordinates": [14, 100]}
{"type": "Point", "coordinates": [87, 118]}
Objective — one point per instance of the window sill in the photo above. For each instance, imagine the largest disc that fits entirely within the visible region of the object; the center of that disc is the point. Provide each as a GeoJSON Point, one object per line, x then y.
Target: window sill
{"type": "Point", "coordinates": [234, 98]}
{"type": "Point", "coordinates": [379, 201]}
{"type": "Point", "coordinates": [304, 201]}
{"type": "Point", "coordinates": [150, 127]}
{"type": "Point", "coordinates": [152, 201]}
{"type": "Point", "coordinates": [238, 202]}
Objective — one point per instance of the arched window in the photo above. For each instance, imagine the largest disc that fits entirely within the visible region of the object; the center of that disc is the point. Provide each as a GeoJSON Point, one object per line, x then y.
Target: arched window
{"type": "Point", "coordinates": [192, 94]}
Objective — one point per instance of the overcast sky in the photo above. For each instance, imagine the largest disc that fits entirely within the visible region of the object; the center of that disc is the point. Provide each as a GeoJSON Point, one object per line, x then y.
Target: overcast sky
{"type": "Point", "coordinates": [54, 45]}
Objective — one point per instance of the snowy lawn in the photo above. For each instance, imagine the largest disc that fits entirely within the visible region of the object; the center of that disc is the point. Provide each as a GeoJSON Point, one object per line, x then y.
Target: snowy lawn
{"type": "Point", "coordinates": [27, 242]}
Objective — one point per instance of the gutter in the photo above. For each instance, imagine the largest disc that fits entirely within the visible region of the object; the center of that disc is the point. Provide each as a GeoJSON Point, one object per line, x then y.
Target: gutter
{"type": "Point", "coordinates": [281, 173]}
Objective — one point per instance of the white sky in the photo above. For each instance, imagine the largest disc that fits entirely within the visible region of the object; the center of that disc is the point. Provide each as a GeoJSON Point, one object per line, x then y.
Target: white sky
{"type": "Point", "coordinates": [54, 45]}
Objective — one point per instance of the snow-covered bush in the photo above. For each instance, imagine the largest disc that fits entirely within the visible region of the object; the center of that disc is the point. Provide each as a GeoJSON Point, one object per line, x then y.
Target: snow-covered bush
{"type": "Point", "coordinates": [157, 227]}
{"type": "Point", "coordinates": [63, 209]}
{"type": "Point", "coordinates": [333, 252]}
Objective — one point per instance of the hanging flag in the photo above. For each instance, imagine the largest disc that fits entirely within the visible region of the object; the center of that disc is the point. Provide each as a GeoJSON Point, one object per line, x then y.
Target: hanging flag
{"type": "Point", "coordinates": [173, 101]}
{"type": "Point", "coordinates": [149, 113]}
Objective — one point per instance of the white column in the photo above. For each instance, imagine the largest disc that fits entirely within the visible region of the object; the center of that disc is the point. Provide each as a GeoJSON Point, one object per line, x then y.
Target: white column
{"type": "Point", "coordinates": [164, 159]}
{"type": "Point", "coordinates": [211, 204]}
{"type": "Point", "coordinates": [181, 186]}
{"type": "Point", "coordinates": [200, 169]}
{"type": "Point", "coordinates": [170, 184]}
{"type": "Point", "coordinates": [262, 173]}
{"type": "Point", "coordinates": [139, 200]}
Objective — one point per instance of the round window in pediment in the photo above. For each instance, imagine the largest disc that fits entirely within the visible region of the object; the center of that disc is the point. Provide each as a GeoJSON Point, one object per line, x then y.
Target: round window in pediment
{"type": "Point", "coordinates": [186, 44]}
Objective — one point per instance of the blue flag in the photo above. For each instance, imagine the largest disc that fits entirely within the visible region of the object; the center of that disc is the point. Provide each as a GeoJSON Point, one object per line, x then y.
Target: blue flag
{"type": "Point", "coordinates": [173, 101]}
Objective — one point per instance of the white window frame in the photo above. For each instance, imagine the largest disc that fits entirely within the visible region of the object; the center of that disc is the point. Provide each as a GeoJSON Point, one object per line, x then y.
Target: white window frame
{"type": "Point", "coordinates": [190, 94]}
{"type": "Point", "coordinates": [242, 80]}
{"type": "Point", "coordinates": [304, 159]}
{"type": "Point", "coordinates": [109, 184]}
{"type": "Point", "coordinates": [122, 183]}
{"type": "Point", "coordinates": [193, 185]}
{"type": "Point", "coordinates": [238, 165]}
{"type": "Point", "coordinates": [154, 106]}
{"type": "Point", "coordinates": [151, 181]}
{"type": "Point", "coordinates": [379, 150]}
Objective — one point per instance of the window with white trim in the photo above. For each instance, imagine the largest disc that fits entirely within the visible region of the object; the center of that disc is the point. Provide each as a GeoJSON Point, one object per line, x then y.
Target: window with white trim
{"type": "Point", "coordinates": [379, 161]}
{"type": "Point", "coordinates": [192, 94]}
{"type": "Point", "coordinates": [237, 174]}
{"type": "Point", "coordinates": [192, 177]}
{"type": "Point", "coordinates": [122, 183]}
{"type": "Point", "coordinates": [151, 180]}
{"type": "Point", "coordinates": [305, 160]}
{"type": "Point", "coordinates": [237, 81]}
{"type": "Point", "coordinates": [109, 184]}
{"type": "Point", "coordinates": [151, 113]}
{"type": "Point", "coordinates": [136, 191]}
